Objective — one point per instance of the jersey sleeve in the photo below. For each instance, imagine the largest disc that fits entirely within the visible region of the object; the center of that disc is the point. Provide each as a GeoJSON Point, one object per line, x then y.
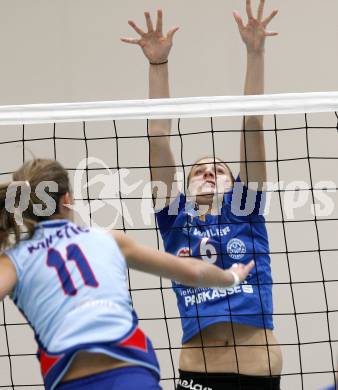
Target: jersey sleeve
{"type": "Point", "coordinates": [10, 253]}
{"type": "Point", "coordinates": [167, 216]}
{"type": "Point", "coordinates": [246, 202]}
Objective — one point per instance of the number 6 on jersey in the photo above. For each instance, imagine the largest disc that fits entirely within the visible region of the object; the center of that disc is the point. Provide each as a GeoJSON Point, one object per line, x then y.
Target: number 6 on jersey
{"type": "Point", "coordinates": [208, 251]}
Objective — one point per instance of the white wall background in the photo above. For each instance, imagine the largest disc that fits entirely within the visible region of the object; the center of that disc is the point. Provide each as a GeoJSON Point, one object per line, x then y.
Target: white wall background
{"type": "Point", "coordinates": [70, 50]}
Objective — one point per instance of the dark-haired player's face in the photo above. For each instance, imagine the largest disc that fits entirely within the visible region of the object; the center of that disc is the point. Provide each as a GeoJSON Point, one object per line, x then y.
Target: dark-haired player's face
{"type": "Point", "coordinates": [209, 177]}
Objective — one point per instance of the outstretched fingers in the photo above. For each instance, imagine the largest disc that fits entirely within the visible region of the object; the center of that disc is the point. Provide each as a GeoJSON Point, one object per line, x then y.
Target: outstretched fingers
{"type": "Point", "coordinates": [268, 19]}
{"type": "Point", "coordinates": [238, 20]}
{"type": "Point", "coordinates": [249, 9]}
{"type": "Point", "coordinates": [133, 41]}
{"type": "Point", "coordinates": [159, 22]}
{"type": "Point", "coordinates": [149, 22]}
{"type": "Point", "coordinates": [136, 28]}
{"type": "Point", "coordinates": [171, 33]}
{"type": "Point", "coordinates": [260, 10]}
{"type": "Point", "coordinates": [243, 270]}
{"type": "Point", "coordinates": [250, 266]}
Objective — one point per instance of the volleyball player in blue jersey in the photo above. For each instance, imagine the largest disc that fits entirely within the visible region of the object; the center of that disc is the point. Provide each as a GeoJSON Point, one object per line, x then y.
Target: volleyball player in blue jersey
{"type": "Point", "coordinates": [228, 340]}
{"type": "Point", "coordinates": [70, 283]}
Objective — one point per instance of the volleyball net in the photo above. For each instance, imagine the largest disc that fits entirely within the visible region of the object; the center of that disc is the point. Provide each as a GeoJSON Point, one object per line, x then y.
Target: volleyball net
{"type": "Point", "coordinates": [105, 148]}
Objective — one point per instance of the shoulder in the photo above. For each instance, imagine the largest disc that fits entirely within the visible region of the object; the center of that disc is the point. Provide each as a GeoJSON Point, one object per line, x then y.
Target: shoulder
{"type": "Point", "coordinates": [119, 237]}
{"type": "Point", "coordinates": [175, 205]}
{"type": "Point", "coordinates": [6, 262]}
{"type": "Point", "coordinates": [167, 215]}
{"type": "Point", "coordinates": [8, 275]}
{"type": "Point", "coordinates": [125, 244]}
{"type": "Point", "coordinates": [115, 237]}
{"type": "Point", "coordinates": [244, 201]}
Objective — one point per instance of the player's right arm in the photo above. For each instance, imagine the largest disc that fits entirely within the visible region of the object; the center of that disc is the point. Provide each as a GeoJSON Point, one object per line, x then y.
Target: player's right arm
{"type": "Point", "coordinates": [156, 47]}
{"type": "Point", "coordinates": [252, 148]}
{"type": "Point", "coordinates": [8, 277]}
{"type": "Point", "coordinates": [188, 271]}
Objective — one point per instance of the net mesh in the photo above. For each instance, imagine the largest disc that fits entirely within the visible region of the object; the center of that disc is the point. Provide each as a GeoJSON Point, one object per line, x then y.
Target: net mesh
{"type": "Point", "coordinates": [302, 161]}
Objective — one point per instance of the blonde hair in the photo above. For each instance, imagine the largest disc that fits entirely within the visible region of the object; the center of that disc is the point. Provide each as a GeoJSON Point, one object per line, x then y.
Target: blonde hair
{"type": "Point", "coordinates": [32, 172]}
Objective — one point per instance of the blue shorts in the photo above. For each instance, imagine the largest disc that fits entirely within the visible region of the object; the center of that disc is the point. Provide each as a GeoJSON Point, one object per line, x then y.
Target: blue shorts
{"type": "Point", "coordinates": [126, 378]}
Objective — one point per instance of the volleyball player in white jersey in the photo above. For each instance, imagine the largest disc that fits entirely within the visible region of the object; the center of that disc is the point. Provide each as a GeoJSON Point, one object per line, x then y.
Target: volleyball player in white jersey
{"type": "Point", "coordinates": [228, 340]}
{"type": "Point", "coordinates": [70, 283]}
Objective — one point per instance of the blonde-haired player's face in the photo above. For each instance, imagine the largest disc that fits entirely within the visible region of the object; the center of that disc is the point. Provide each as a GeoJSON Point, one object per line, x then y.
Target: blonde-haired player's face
{"type": "Point", "coordinates": [209, 178]}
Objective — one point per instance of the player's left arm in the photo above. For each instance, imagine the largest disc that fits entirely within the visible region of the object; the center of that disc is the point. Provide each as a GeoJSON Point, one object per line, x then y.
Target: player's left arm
{"type": "Point", "coordinates": [8, 277]}
{"type": "Point", "coordinates": [252, 149]}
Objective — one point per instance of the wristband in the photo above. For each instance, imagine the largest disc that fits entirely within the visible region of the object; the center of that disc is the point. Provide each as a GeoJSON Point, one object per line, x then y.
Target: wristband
{"type": "Point", "coordinates": [236, 279]}
{"type": "Point", "coordinates": [158, 63]}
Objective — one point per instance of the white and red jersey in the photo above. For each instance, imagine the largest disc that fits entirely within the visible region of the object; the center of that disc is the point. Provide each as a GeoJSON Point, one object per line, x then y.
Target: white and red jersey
{"type": "Point", "coordinates": [72, 288]}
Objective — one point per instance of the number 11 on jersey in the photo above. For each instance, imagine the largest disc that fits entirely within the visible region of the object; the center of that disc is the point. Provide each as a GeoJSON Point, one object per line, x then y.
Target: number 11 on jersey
{"type": "Point", "coordinates": [74, 253]}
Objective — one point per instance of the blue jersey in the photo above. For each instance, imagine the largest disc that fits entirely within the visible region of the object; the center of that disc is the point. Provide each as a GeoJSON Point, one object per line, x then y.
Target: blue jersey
{"type": "Point", "coordinates": [237, 234]}
{"type": "Point", "coordinates": [72, 288]}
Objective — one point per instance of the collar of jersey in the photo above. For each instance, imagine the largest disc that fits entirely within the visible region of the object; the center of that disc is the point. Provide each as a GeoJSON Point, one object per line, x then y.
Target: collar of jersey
{"type": "Point", "coordinates": [53, 223]}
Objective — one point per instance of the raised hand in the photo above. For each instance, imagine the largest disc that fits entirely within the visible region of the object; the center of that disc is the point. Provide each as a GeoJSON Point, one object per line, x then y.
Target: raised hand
{"type": "Point", "coordinates": [254, 32]}
{"type": "Point", "coordinates": [155, 45]}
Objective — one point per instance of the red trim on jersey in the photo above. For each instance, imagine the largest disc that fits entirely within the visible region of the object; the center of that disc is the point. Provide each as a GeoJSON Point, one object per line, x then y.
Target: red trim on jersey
{"type": "Point", "coordinates": [136, 340]}
{"type": "Point", "coordinates": [47, 361]}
